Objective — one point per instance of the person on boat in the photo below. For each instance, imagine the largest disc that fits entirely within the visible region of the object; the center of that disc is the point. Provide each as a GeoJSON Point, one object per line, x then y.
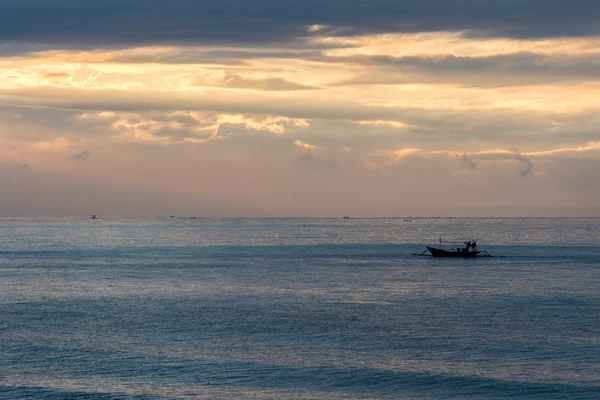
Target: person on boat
{"type": "Point", "coordinates": [471, 245]}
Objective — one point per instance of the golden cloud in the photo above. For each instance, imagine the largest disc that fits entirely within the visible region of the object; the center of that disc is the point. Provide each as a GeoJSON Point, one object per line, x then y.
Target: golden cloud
{"type": "Point", "coordinates": [59, 143]}
{"type": "Point", "coordinates": [306, 146]}
{"type": "Point", "coordinates": [186, 126]}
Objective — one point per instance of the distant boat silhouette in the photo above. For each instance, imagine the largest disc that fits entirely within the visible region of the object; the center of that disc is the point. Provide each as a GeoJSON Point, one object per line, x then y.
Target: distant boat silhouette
{"type": "Point", "coordinates": [94, 217]}
{"type": "Point", "coordinates": [469, 251]}
{"type": "Point", "coordinates": [346, 217]}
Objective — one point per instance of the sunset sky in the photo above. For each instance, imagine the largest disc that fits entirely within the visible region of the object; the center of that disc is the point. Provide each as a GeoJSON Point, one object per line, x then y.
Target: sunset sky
{"type": "Point", "coordinates": [299, 108]}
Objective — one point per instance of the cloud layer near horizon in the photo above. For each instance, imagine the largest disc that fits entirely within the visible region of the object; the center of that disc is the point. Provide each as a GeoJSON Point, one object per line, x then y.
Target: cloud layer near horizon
{"type": "Point", "coordinates": [305, 109]}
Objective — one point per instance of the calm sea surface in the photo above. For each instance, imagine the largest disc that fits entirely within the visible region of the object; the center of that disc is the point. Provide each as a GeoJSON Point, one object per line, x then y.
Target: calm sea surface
{"type": "Point", "coordinates": [170, 308]}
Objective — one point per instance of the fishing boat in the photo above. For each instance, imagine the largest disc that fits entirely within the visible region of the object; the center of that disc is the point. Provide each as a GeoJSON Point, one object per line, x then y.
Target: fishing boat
{"type": "Point", "coordinates": [468, 251]}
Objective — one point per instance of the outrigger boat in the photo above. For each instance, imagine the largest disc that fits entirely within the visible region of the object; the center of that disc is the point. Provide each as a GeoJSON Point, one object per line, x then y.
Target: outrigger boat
{"type": "Point", "coordinates": [469, 251]}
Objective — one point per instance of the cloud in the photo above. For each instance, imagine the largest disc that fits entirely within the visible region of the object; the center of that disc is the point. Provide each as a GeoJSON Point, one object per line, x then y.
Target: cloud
{"type": "Point", "coordinates": [297, 108]}
{"type": "Point", "coordinates": [389, 84]}
{"type": "Point", "coordinates": [238, 55]}
{"type": "Point", "coordinates": [59, 143]}
{"type": "Point", "coordinates": [528, 165]}
{"type": "Point", "coordinates": [468, 162]}
{"type": "Point", "coordinates": [392, 124]}
{"type": "Point", "coordinates": [404, 153]}
{"type": "Point", "coordinates": [306, 146]}
{"type": "Point", "coordinates": [315, 157]}
{"type": "Point", "coordinates": [84, 155]}
{"type": "Point", "coordinates": [54, 75]}
{"type": "Point", "coordinates": [513, 69]}
{"type": "Point", "coordinates": [531, 120]}
{"type": "Point", "coordinates": [115, 23]}
{"type": "Point", "coordinates": [591, 146]}
{"type": "Point", "coordinates": [185, 126]}
{"type": "Point", "coordinates": [233, 81]}
{"type": "Point", "coordinates": [271, 124]}
{"type": "Point", "coordinates": [317, 161]}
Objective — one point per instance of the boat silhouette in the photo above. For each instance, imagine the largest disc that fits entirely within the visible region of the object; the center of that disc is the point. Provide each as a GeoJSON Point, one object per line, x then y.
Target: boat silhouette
{"type": "Point", "coordinates": [468, 251]}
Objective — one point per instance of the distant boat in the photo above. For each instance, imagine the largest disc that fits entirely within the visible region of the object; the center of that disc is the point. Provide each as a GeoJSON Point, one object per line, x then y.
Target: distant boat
{"type": "Point", "coordinates": [469, 251]}
{"type": "Point", "coordinates": [458, 253]}
{"type": "Point", "coordinates": [346, 217]}
{"type": "Point", "coordinates": [94, 217]}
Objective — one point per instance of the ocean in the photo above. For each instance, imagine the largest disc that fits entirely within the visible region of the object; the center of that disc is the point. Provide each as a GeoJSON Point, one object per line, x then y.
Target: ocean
{"type": "Point", "coordinates": [276, 308]}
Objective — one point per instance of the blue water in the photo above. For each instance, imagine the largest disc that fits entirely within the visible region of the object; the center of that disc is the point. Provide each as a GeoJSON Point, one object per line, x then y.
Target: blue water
{"type": "Point", "coordinates": [170, 308]}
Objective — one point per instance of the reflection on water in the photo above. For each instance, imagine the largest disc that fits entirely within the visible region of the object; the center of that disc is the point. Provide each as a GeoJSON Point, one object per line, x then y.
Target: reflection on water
{"type": "Point", "coordinates": [297, 308]}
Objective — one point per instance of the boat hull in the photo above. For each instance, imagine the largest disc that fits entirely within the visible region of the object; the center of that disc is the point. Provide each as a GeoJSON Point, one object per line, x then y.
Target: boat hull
{"type": "Point", "coordinates": [452, 253]}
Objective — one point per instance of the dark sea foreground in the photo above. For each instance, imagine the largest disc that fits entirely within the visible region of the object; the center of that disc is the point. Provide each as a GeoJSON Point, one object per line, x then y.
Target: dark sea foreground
{"type": "Point", "coordinates": [170, 308]}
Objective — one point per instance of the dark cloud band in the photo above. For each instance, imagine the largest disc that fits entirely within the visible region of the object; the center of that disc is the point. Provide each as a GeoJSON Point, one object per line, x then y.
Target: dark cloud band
{"type": "Point", "coordinates": [137, 22]}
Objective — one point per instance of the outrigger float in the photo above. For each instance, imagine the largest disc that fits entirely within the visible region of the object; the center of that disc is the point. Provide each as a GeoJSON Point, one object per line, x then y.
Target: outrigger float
{"type": "Point", "coordinates": [469, 251]}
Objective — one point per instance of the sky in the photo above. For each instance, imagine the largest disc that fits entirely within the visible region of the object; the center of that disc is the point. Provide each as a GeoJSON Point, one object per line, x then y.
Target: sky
{"type": "Point", "coordinates": [313, 108]}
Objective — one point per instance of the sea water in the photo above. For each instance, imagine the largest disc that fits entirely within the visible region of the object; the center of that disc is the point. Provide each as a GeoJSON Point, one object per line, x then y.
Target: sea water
{"type": "Point", "coordinates": [180, 308]}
